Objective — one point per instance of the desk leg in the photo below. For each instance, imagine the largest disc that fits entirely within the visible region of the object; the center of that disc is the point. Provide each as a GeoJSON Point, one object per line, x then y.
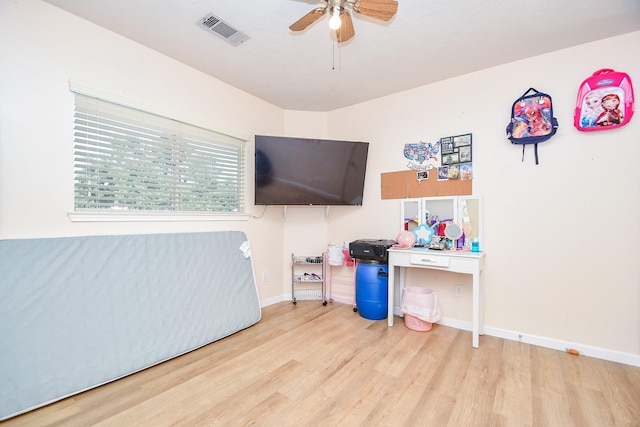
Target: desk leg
{"type": "Point", "coordinates": [391, 292]}
{"type": "Point", "coordinates": [481, 307]}
{"type": "Point", "coordinates": [476, 309]}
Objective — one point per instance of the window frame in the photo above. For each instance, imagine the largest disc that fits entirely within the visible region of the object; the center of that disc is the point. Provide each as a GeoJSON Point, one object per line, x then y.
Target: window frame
{"type": "Point", "coordinates": [88, 215]}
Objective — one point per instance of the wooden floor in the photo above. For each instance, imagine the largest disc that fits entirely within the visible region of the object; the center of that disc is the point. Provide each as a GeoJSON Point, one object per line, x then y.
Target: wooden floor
{"type": "Point", "coordinates": [308, 365]}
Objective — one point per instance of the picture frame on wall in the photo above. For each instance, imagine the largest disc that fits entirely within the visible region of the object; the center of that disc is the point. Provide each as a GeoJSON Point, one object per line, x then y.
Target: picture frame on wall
{"type": "Point", "coordinates": [465, 154]}
{"type": "Point", "coordinates": [450, 159]}
{"type": "Point", "coordinates": [456, 149]}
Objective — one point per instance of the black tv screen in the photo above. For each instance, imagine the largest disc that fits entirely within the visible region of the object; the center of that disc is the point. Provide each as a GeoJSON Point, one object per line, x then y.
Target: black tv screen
{"type": "Point", "coordinates": [300, 171]}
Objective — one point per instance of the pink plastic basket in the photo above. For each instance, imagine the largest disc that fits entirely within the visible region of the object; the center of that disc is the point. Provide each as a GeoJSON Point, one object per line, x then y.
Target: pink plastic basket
{"type": "Point", "coordinates": [416, 324]}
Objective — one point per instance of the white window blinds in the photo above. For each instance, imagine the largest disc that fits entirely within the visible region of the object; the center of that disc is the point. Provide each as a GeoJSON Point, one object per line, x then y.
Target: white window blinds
{"type": "Point", "coordinates": [128, 159]}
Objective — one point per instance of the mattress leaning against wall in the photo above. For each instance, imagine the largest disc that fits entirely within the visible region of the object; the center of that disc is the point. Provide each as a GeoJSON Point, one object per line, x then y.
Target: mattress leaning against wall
{"type": "Point", "coordinates": [78, 312]}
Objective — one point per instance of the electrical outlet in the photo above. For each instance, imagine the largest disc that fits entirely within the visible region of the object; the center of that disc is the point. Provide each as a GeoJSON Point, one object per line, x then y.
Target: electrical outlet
{"type": "Point", "coordinates": [457, 290]}
{"type": "Point", "coordinates": [265, 276]}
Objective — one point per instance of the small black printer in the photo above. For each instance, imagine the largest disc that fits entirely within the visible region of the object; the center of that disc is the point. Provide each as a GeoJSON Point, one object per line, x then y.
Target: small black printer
{"type": "Point", "coordinates": [370, 249]}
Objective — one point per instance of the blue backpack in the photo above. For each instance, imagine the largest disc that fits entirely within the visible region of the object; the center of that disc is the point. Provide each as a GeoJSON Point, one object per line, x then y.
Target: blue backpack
{"type": "Point", "coordinates": [532, 120]}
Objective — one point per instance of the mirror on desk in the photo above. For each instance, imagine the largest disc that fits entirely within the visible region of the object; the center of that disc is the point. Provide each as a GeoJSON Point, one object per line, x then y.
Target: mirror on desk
{"type": "Point", "coordinates": [463, 211]}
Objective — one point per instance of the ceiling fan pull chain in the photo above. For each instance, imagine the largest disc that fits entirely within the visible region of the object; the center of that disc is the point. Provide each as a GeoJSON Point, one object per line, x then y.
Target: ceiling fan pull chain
{"type": "Point", "coordinates": [333, 56]}
{"type": "Point", "coordinates": [333, 52]}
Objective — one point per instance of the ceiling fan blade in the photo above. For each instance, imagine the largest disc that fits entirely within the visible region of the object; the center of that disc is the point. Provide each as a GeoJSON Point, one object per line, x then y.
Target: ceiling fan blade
{"type": "Point", "coordinates": [379, 9]}
{"type": "Point", "coordinates": [346, 31]}
{"type": "Point", "coordinates": [308, 19]}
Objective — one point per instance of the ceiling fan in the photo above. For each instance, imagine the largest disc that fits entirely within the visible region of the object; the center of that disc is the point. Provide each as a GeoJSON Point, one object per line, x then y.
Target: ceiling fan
{"type": "Point", "coordinates": [341, 21]}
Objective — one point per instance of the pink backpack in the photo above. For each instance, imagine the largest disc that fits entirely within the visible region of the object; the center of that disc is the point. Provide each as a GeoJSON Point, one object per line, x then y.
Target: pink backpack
{"type": "Point", "coordinates": [605, 101]}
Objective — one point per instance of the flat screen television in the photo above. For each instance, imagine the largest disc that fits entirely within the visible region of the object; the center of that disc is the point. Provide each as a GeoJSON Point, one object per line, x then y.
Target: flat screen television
{"type": "Point", "coordinates": [301, 171]}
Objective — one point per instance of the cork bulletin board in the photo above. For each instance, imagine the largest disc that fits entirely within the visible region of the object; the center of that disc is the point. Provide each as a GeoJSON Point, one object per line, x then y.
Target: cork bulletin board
{"type": "Point", "coordinates": [404, 184]}
{"type": "Point", "coordinates": [443, 168]}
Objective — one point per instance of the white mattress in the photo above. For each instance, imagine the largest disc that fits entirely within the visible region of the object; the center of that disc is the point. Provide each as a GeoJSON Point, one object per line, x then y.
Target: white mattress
{"type": "Point", "coordinates": [78, 312]}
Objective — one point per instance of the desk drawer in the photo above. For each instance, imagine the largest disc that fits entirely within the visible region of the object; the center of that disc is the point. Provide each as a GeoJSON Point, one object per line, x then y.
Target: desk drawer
{"type": "Point", "coordinates": [430, 260]}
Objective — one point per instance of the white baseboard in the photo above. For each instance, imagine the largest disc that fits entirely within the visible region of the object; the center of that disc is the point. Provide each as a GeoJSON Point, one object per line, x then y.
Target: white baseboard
{"type": "Point", "coordinates": [585, 350]}
{"type": "Point", "coordinates": [275, 300]}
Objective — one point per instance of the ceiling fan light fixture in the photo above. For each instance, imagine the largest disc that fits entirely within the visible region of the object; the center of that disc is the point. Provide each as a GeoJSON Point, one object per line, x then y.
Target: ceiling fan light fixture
{"type": "Point", "coordinates": [334, 22]}
{"type": "Point", "coordinates": [341, 23]}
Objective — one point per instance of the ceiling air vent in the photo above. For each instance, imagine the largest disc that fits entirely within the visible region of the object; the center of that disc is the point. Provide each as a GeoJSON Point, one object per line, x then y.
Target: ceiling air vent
{"type": "Point", "coordinates": [223, 30]}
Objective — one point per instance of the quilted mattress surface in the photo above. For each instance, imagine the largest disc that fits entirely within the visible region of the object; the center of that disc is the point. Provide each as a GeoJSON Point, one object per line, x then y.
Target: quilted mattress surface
{"type": "Point", "coordinates": [77, 312]}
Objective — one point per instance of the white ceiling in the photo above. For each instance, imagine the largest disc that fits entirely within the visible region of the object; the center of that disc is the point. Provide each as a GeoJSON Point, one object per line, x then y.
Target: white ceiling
{"type": "Point", "coordinates": [425, 42]}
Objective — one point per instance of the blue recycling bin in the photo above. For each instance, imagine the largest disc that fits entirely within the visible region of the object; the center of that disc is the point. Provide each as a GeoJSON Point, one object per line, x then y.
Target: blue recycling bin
{"type": "Point", "coordinates": [372, 279]}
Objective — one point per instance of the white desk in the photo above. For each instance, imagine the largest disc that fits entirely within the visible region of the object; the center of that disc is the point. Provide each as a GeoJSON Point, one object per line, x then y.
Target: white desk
{"type": "Point", "coordinates": [454, 261]}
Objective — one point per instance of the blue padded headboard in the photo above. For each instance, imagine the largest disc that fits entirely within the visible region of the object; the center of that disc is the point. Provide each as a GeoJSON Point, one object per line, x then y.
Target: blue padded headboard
{"type": "Point", "coordinates": [78, 312]}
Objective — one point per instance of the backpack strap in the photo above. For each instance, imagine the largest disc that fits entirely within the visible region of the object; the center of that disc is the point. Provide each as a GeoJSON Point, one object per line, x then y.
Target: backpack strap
{"type": "Point", "coordinates": [535, 150]}
{"type": "Point", "coordinates": [532, 90]}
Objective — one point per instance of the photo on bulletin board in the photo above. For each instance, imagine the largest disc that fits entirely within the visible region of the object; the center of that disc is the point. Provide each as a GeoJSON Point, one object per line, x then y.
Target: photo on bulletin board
{"type": "Point", "coordinates": [443, 173]}
{"type": "Point", "coordinates": [466, 171]}
{"type": "Point", "coordinates": [454, 171]}
{"type": "Point", "coordinates": [422, 175]}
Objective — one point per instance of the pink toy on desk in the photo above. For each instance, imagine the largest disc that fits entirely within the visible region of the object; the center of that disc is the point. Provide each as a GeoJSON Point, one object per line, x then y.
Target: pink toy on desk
{"type": "Point", "coordinates": [406, 239]}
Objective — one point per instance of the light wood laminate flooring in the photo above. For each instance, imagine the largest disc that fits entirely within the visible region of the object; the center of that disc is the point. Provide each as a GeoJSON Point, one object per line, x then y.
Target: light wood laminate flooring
{"type": "Point", "coordinates": [310, 365]}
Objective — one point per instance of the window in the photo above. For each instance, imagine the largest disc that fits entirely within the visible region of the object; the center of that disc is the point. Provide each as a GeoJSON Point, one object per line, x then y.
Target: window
{"type": "Point", "coordinates": [131, 161]}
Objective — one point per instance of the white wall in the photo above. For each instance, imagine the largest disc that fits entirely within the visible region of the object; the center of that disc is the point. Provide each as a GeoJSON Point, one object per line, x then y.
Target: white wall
{"type": "Point", "coordinates": [41, 49]}
{"type": "Point", "coordinates": [561, 237]}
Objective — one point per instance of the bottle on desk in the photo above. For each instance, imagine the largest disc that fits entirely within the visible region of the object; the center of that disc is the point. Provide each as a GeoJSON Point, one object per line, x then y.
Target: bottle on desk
{"type": "Point", "coordinates": [475, 246]}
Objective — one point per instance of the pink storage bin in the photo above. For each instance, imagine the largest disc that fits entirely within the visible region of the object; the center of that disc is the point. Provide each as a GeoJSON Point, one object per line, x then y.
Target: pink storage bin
{"type": "Point", "coordinates": [420, 308]}
{"type": "Point", "coordinates": [416, 324]}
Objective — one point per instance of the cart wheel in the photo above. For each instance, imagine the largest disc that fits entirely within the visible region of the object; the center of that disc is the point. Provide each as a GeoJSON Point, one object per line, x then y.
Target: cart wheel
{"type": "Point", "coordinates": [355, 309]}
{"type": "Point", "coordinates": [295, 302]}
{"type": "Point", "coordinates": [324, 303]}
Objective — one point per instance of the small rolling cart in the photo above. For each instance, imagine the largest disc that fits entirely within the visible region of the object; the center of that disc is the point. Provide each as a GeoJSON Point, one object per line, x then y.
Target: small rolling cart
{"type": "Point", "coordinates": [337, 257]}
{"type": "Point", "coordinates": [307, 278]}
